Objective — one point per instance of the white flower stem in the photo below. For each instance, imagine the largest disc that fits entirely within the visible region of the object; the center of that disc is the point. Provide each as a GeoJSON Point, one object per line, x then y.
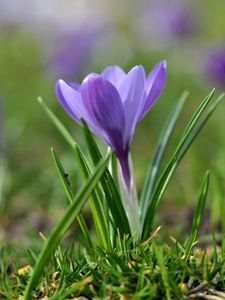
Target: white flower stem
{"type": "Point", "coordinates": [130, 201]}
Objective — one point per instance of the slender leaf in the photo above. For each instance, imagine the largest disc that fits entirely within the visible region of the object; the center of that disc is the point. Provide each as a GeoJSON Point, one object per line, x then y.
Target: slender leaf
{"type": "Point", "coordinates": [108, 185]}
{"type": "Point", "coordinates": [70, 197]}
{"type": "Point", "coordinates": [198, 214]}
{"type": "Point", "coordinates": [193, 121]}
{"type": "Point", "coordinates": [58, 124]}
{"type": "Point", "coordinates": [62, 176]}
{"type": "Point", "coordinates": [65, 223]}
{"type": "Point", "coordinates": [161, 147]}
{"type": "Point", "coordinates": [200, 125]}
{"type": "Point", "coordinates": [191, 132]}
{"type": "Point", "coordinates": [95, 204]}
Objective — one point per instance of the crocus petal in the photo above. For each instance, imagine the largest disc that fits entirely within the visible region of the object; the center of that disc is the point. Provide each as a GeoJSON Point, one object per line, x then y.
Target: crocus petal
{"type": "Point", "coordinates": [103, 102]}
{"type": "Point", "coordinates": [155, 84]}
{"type": "Point", "coordinates": [74, 85]}
{"type": "Point", "coordinates": [114, 74]}
{"type": "Point", "coordinates": [73, 104]}
{"type": "Point", "coordinates": [70, 100]}
{"type": "Point", "coordinates": [131, 92]}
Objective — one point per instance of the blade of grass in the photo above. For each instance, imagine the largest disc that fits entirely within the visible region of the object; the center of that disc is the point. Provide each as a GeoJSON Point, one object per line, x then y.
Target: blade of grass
{"type": "Point", "coordinates": [200, 125]}
{"type": "Point", "coordinates": [198, 215]}
{"type": "Point", "coordinates": [65, 223]}
{"type": "Point", "coordinates": [70, 196]}
{"type": "Point", "coordinates": [160, 260]}
{"type": "Point", "coordinates": [95, 204]}
{"type": "Point", "coordinates": [58, 124]}
{"type": "Point", "coordinates": [190, 133]}
{"type": "Point", "coordinates": [161, 147]}
{"type": "Point", "coordinates": [108, 185]}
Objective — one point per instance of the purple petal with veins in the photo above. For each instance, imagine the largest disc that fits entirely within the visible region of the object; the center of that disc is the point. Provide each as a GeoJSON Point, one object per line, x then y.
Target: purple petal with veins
{"type": "Point", "coordinates": [72, 103]}
{"type": "Point", "coordinates": [155, 84]}
{"type": "Point", "coordinates": [104, 103]}
{"type": "Point", "coordinates": [70, 100]}
{"type": "Point", "coordinates": [131, 92]}
{"type": "Point", "coordinates": [114, 74]}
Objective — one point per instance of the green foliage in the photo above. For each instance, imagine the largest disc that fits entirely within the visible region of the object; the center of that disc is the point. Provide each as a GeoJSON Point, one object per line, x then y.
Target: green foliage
{"type": "Point", "coordinates": [99, 216]}
{"type": "Point", "coordinates": [112, 195]}
{"type": "Point", "coordinates": [161, 147]}
{"type": "Point", "coordinates": [64, 224]}
{"type": "Point", "coordinates": [58, 124]}
{"type": "Point", "coordinates": [155, 183]}
{"type": "Point", "coordinates": [198, 215]}
{"type": "Point", "coordinates": [190, 133]}
{"type": "Point", "coordinates": [70, 196]}
{"type": "Point", "coordinates": [152, 270]}
{"type": "Point", "coordinates": [107, 183]}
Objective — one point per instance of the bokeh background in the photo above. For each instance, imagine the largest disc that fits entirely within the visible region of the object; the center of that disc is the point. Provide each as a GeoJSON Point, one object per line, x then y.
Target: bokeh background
{"type": "Point", "coordinates": [42, 41]}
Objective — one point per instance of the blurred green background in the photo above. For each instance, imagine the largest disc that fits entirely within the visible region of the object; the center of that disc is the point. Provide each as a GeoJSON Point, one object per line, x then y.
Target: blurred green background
{"type": "Point", "coordinates": [42, 42]}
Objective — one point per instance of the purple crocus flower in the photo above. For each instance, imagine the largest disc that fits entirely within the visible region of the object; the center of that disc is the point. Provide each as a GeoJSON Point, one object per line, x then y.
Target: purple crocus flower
{"type": "Point", "coordinates": [113, 103]}
{"type": "Point", "coordinates": [215, 66]}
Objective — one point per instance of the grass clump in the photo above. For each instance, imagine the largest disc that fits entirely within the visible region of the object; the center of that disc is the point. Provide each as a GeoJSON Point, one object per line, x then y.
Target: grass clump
{"type": "Point", "coordinates": [151, 270]}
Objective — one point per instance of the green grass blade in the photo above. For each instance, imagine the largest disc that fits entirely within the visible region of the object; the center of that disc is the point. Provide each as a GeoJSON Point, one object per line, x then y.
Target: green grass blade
{"type": "Point", "coordinates": [70, 196]}
{"type": "Point", "coordinates": [201, 204]}
{"type": "Point", "coordinates": [161, 147]}
{"type": "Point", "coordinates": [95, 204]}
{"type": "Point", "coordinates": [191, 132]}
{"type": "Point", "coordinates": [65, 223]}
{"type": "Point", "coordinates": [108, 185]}
{"type": "Point", "coordinates": [86, 233]}
{"type": "Point", "coordinates": [161, 263]}
{"type": "Point", "coordinates": [191, 124]}
{"type": "Point", "coordinates": [198, 214]}
{"type": "Point", "coordinates": [62, 176]}
{"type": "Point", "coordinates": [200, 126]}
{"type": "Point", "coordinates": [199, 110]}
{"type": "Point", "coordinates": [58, 124]}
